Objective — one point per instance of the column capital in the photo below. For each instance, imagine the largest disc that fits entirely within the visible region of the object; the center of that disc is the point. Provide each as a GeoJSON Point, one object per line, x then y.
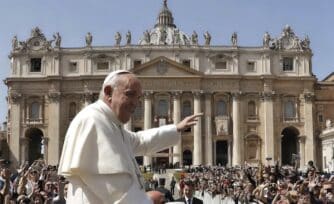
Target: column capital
{"type": "Point", "coordinates": [197, 93]}
{"type": "Point", "coordinates": [15, 97]}
{"type": "Point", "coordinates": [147, 94]}
{"type": "Point", "coordinates": [88, 96]}
{"type": "Point", "coordinates": [302, 138]}
{"type": "Point", "coordinates": [45, 140]}
{"type": "Point", "coordinates": [309, 96]}
{"type": "Point", "coordinates": [267, 95]}
{"type": "Point", "coordinates": [176, 93]}
{"type": "Point", "coordinates": [54, 97]}
{"type": "Point", "coordinates": [236, 95]}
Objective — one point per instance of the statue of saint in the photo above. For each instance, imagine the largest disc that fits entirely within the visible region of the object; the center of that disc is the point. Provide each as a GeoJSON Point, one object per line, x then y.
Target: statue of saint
{"type": "Point", "coordinates": [234, 39]}
{"type": "Point", "coordinates": [89, 39]}
{"type": "Point", "coordinates": [207, 38]}
{"type": "Point", "coordinates": [128, 38]}
{"type": "Point", "coordinates": [163, 36]}
{"type": "Point", "coordinates": [177, 38]}
{"type": "Point", "coordinates": [266, 40]}
{"type": "Point", "coordinates": [15, 43]}
{"type": "Point", "coordinates": [194, 38]}
{"type": "Point", "coordinates": [57, 39]}
{"type": "Point", "coordinates": [118, 38]}
{"type": "Point", "coordinates": [147, 37]}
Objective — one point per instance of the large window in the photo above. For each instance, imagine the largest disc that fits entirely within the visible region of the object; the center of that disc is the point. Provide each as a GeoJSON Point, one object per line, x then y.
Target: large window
{"type": "Point", "coordinates": [186, 109]}
{"type": "Point", "coordinates": [221, 108]}
{"type": "Point", "coordinates": [289, 110]}
{"type": "Point", "coordinates": [102, 66]}
{"type": "Point", "coordinates": [287, 64]}
{"type": "Point", "coordinates": [35, 65]}
{"type": "Point", "coordinates": [163, 108]}
{"type": "Point", "coordinates": [221, 65]}
{"type": "Point", "coordinates": [34, 111]}
{"type": "Point", "coordinates": [251, 110]}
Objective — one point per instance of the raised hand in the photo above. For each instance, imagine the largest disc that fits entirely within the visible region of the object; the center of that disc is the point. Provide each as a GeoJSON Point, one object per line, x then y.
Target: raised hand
{"type": "Point", "coordinates": [188, 121]}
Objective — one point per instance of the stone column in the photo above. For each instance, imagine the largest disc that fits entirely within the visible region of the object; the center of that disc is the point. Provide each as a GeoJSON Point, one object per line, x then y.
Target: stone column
{"type": "Point", "coordinates": [15, 127]}
{"type": "Point", "coordinates": [24, 146]}
{"type": "Point", "coordinates": [45, 142]}
{"type": "Point", "coordinates": [229, 152]}
{"type": "Point", "coordinates": [237, 135]}
{"type": "Point", "coordinates": [177, 149]}
{"type": "Point", "coordinates": [268, 123]}
{"type": "Point", "coordinates": [197, 131]}
{"type": "Point", "coordinates": [54, 128]}
{"type": "Point", "coordinates": [147, 120]}
{"type": "Point", "coordinates": [302, 161]}
{"type": "Point", "coordinates": [208, 129]}
{"type": "Point", "coordinates": [309, 128]}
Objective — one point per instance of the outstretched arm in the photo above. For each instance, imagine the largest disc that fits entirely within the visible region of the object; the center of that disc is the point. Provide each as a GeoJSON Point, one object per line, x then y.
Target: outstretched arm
{"type": "Point", "coordinates": [188, 122]}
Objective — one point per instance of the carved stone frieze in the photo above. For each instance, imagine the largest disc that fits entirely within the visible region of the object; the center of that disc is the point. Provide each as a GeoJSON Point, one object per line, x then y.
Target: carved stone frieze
{"type": "Point", "coordinates": [167, 84]}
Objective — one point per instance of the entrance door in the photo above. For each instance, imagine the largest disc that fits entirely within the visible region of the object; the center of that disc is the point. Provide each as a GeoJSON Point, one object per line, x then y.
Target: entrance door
{"type": "Point", "coordinates": [221, 153]}
{"type": "Point", "coordinates": [289, 145]}
{"type": "Point", "coordinates": [35, 146]}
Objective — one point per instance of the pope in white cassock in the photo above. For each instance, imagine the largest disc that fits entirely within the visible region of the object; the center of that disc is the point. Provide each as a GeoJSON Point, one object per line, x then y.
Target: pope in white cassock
{"type": "Point", "coordinates": [98, 156]}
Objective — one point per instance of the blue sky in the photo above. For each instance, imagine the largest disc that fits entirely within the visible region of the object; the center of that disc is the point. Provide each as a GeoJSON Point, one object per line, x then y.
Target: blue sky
{"type": "Point", "coordinates": [103, 18]}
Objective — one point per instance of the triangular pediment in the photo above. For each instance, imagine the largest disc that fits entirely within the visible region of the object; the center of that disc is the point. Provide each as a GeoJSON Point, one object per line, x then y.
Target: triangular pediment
{"type": "Point", "coordinates": [329, 78]}
{"type": "Point", "coordinates": [164, 67]}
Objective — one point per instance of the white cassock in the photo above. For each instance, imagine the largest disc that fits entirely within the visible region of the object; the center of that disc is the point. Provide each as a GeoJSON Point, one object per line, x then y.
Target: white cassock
{"type": "Point", "coordinates": [98, 157]}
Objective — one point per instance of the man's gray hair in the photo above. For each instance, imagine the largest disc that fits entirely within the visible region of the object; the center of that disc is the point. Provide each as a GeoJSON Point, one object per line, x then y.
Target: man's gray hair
{"type": "Point", "coordinates": [112, 80]}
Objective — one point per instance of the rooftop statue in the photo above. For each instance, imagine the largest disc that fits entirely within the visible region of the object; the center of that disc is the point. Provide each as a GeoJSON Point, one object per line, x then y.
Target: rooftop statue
{"type": "Point", "coordinates": [36, 32]}
{"type": "Point", "coordinates": [207, 38]}
{"type": "Point", "coordinates": [118, 38]}
{"type": "Point", "coordinates": [128, 38]}
{"type": "Point", "coordinates": [234, 39]}
{"type": "Point", "coordinates": [15, 43]}
{"type": "Point", "coordinates": [89, 39]}
{"type": "Point", "coordinates": [147, 37]}
{"type": "Point", "coordinates": [266, 40]}
{"type": "Point", "coordinates": [57, 39]}
{"type": "Point", "coordinates": [163, 35]}
{"type": "Point", "coordinates": [194, 38]}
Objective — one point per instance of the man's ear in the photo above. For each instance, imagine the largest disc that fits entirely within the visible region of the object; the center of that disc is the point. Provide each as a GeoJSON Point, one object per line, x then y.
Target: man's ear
{"type": "Point", "coordinates": [108, 91]}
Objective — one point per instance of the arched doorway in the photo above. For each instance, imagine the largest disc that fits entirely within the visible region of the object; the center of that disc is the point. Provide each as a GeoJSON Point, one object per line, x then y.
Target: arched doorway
{"type": "Point", "coordinates": [35, 145]}
{"type": "Point", "coordinates": [289, 145]}
{"type": "Point", "coordinates": [187, 157]}
{"type": "Point", "coordinates": [221, 152]}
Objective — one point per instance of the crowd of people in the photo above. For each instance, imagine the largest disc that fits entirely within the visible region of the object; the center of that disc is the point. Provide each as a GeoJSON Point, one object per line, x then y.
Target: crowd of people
{"type": "Point", "coordinates": [39, 183]}
{"type": "Point", "coordinates": [263, 184]}
{"type": "Point", "coordinates": [35, 183]}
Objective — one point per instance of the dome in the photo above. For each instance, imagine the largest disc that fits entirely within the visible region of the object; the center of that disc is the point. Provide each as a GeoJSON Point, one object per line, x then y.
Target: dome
{"type": "Point", "coordinates": [165, 31]}
{"type": "Point", "coordinates": [165, 17]}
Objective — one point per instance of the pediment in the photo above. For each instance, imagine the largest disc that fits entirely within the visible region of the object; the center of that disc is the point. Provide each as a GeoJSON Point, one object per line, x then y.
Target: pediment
{"type": "Point", "coordinates": [164, 67]}
{"type": "Point", "coordinates": [329, 78]}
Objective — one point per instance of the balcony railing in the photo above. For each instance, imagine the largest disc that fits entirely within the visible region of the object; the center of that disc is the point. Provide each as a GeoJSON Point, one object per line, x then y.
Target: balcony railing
{"type": "Point", "coordinates": [34, 121]}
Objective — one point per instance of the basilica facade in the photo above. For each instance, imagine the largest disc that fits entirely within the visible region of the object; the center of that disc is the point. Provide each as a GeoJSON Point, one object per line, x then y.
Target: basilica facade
{"type": "Point", "coordinates": [260, 104]}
